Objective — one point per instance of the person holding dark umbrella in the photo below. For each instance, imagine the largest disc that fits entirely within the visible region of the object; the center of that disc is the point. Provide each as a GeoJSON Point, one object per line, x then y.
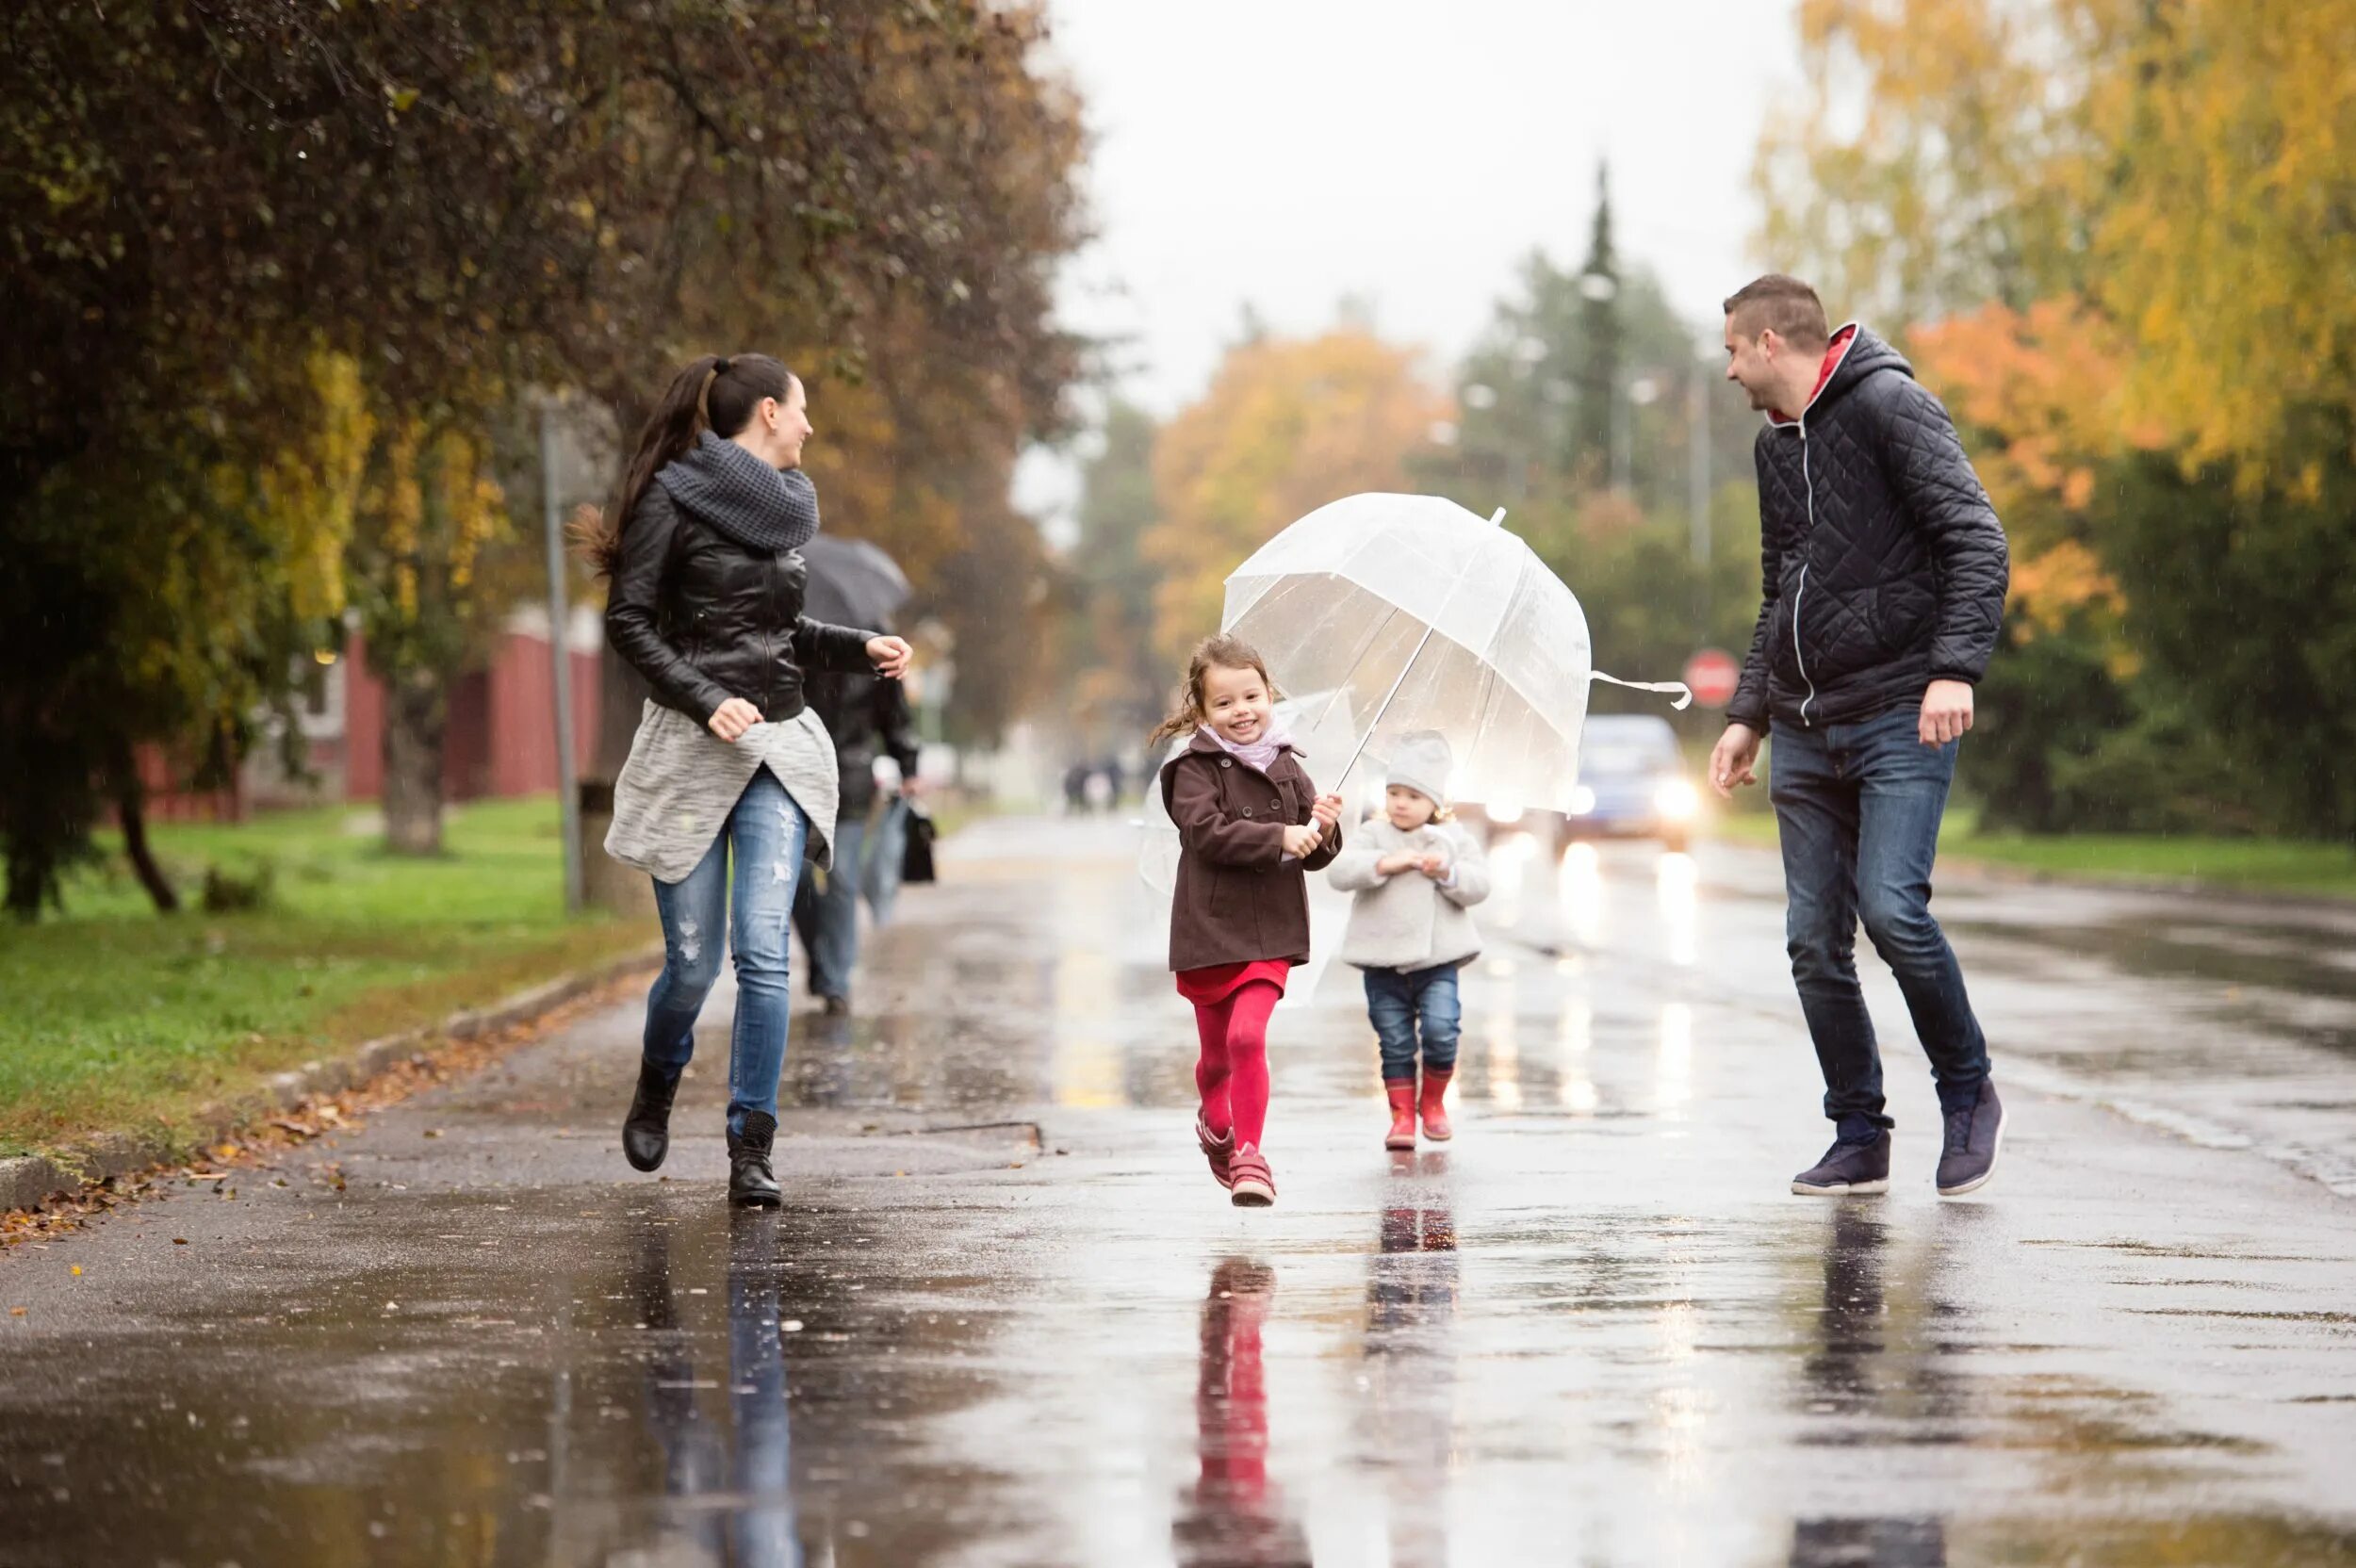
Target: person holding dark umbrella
{"type": "Point", "coordinates": [869, 718]}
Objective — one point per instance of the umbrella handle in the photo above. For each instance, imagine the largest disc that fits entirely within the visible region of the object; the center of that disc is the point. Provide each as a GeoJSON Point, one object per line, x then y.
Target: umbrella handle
{"type": "Point", "coordinates": [1684, 693]}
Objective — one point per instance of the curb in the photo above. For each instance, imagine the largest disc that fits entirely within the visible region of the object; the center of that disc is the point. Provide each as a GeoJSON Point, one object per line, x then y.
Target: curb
{"type": "Point", "coordinates": [26, 1181]}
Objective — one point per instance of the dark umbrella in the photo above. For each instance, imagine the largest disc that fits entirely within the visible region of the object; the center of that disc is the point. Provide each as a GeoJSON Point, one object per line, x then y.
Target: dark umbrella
{"type": "Point", "coordinates": [852, 583]}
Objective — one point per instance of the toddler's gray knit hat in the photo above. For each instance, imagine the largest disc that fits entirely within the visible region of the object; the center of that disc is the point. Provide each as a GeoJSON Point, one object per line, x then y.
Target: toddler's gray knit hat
{"type": "Point", "coordinates": [1421, 762]}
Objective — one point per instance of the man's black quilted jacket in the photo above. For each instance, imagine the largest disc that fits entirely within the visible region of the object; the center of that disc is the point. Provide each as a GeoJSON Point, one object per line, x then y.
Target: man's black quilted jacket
{"type": "Point", "coordinates": [1883, 565]}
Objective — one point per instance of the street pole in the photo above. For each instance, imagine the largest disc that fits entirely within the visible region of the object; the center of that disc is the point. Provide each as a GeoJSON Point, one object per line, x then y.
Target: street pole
{"type": "Point", "coordinates": [560, 663]}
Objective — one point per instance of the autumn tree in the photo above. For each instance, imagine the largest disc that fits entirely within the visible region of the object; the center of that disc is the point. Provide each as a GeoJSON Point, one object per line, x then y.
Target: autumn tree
{"type": "Point", "coordinates": [2165, 405]}
{"type": "Point", "coordinates": [1116, 676]}
{"type": "Point", "coordinates": [1286, 425]}
{"type": "Point", "coordinates": [466, 202]}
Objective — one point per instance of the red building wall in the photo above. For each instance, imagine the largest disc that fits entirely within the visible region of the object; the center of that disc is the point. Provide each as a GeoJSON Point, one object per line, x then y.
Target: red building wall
{"type": "Point", "coordinates": [500, 738]}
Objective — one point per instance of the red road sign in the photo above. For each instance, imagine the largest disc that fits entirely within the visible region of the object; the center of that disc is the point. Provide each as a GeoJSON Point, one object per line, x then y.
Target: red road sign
{"type": "Point", "coordinates": [1713, 674]}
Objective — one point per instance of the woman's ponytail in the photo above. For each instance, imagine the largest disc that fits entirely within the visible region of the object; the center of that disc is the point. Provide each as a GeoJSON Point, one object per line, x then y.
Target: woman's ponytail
{"type": "Point", "coordinates": [716, 392]}
{"type": "Point", "coordinates": [669, 432]}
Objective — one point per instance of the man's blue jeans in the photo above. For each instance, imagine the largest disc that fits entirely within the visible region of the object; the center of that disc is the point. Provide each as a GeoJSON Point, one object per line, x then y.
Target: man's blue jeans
{"type": "Point", "coordinates": [1858, 806]}
{"type": "Point", "coordinates": [1400, 1003]}
{"type": "Point", "coordinates": [828, 917]}
{"type": "Point", "coordinates": [765, 834]}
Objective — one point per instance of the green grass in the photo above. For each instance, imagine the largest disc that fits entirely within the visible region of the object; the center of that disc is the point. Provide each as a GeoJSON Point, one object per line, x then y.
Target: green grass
{"type": "Point", "coordinates": [113, 1017]}
{"type": "Point", "coordinates": [2300, 866]}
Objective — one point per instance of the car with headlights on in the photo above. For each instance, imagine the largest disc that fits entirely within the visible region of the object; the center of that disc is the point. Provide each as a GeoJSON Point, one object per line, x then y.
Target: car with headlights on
{"type": "Point", "coordinates": [1631, 785]}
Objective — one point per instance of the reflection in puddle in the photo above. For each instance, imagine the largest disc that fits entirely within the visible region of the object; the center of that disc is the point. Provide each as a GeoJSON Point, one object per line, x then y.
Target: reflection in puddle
{"type": "Point", "coordinates": [1411, 1353]}
{"type": "Point", "coordinates": [1869, 1543]}
{"type": "Point", "coordinates": [1234, 1516]}
{"type": "Point", "coordinates": [1577, 1038]}
{"type": "Point", "coordinates": [1678, 882]}
{"type": "Point", "coordinates": [1673, 1063]}
{"type": "Point", "coordinates": [712, 1506]}
{"type": "Point", "coordinates": [1503, 1053]}
{"type": "Point", "coordinates": [1583, 892]}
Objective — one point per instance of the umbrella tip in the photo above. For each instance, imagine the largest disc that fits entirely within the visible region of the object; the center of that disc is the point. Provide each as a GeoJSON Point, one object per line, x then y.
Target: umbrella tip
{"type": "Point", "coordinates": [1497, 518]}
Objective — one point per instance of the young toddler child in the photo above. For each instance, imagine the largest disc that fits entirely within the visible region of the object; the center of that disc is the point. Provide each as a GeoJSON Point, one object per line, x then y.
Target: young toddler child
{"type": "Point", "coordinates": [1413, 874]}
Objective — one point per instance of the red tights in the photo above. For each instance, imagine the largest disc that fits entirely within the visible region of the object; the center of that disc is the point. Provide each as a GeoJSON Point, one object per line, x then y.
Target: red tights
{"type": "Point", "coordinates": [1231, 1072]}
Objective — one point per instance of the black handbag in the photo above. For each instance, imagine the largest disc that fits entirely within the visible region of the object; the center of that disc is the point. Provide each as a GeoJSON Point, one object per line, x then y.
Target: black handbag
{"type": "Point", "coordinates": [916, 857]}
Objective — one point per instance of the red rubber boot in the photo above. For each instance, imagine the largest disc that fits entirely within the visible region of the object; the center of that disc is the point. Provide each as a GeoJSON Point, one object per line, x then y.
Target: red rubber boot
{"type": "Point", "coordinates": [1403, 1095]}
{"type": "Point", "coordinates": [1435, 1125]}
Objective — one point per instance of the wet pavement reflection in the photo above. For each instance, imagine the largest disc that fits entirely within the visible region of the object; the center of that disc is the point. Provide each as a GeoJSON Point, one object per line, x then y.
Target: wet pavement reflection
{"type": "Point", "coordinates": [1234, 1516]}
{"type": "Point", "coordinates": [1005, 1319]}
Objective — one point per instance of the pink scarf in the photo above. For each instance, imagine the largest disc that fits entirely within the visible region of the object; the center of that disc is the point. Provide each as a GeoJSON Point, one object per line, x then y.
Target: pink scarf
{"type": "Point", "coordinates": [1259, 754]}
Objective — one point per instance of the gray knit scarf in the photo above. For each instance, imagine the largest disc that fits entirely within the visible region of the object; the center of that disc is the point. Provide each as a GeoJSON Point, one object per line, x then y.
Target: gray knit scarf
{"type": "Point", "coordinates": [741, 497]}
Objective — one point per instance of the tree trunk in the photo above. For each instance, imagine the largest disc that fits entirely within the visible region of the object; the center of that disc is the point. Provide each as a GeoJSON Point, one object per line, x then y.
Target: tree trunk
{"type": "Point", "coordinates": [417, 708]}
{"type": "Point", "coordinates": [131, 811]}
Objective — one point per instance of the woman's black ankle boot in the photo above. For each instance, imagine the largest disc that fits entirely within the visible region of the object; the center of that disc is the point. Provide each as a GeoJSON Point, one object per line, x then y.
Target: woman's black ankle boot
{"type": "Point", "coordinates": [646, 1131]}
{"type": "Point", "coordinates": [751, 1182]}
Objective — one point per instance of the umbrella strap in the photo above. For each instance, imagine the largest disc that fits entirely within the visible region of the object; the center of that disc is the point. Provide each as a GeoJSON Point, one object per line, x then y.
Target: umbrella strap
{"type": "Point", "coordinates": [1684, 693]}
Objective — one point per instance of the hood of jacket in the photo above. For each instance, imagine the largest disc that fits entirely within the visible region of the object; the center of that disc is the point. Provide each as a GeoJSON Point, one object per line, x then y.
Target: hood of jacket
{"type": "Point", "coordinates": [1856, 352]}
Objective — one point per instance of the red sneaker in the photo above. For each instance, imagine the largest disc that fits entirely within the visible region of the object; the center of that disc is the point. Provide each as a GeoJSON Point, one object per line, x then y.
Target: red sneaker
{"type": "Point", "coordinates": [1402, 1096]}
{"type": "Point", "coordinates": [1252, 1182]}
{"type": "Point", "coordinates": [1219, 1151]}
{"type": "Point", "coordinates": [1435, 1125]}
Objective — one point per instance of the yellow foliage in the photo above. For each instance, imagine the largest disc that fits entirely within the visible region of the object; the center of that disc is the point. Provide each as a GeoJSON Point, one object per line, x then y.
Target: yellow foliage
{"type": "Point", "coordinates": [1286, 426]}
{"type": "Point", "coordinates": [2226, 246]}
{"type": "Point", "coordinates": [2183, 169]}
{"type": "Point", "coordinates": [437, 510]}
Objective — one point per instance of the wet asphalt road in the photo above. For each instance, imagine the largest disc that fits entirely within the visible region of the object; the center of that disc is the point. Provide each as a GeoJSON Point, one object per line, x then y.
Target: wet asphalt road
{"type": "Point", "coordinates": [1005, 1318]}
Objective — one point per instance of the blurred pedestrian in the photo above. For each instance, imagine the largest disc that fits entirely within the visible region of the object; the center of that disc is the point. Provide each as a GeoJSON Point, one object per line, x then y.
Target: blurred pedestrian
{"type": "Point", "coordinates": [730, 780]}
{"type": "Point", "coordinates": [869, 719]}
{"type": "Point", "coordinates": [1884, 570]}
{"type": "Point", "coordinates": [1414, 875]}
{"type": "Point", "coordinates": [1251, 827]}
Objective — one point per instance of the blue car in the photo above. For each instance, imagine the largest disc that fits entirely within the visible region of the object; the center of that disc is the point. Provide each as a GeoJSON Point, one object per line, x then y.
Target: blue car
{"type": "Point", "coordinates": [1631, 785]}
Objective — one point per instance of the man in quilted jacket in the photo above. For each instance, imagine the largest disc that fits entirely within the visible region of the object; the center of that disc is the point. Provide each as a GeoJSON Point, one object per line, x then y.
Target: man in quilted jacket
{"type": "Point", "coordinates": [1882, 576]}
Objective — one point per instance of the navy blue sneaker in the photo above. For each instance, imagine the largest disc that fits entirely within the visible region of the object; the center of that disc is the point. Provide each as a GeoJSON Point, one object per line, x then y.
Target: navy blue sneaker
{"type": "Point", "coordinates": [1975, 1134]}
{"type": "Point", "coordinates": [1847, 1170]}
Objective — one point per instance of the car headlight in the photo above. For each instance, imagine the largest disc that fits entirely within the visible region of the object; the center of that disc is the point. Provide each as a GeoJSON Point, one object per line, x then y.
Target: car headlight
{"type": "Point", "coordinates": [1582, 801]}
{"type": "Point", "coordinates": [1677, 800]}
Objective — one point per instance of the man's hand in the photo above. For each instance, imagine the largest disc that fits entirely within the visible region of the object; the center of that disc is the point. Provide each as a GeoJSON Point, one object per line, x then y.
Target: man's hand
{"type": "Point", "coordinates": [1946, 713]}
{"type": "Point", "coordinates": [1301, 841]}
{"type": "Point", "coordinates": [889, 655]}
{"type": "Point", "coordinates": [732, 718]}
{"type": "Point", "coordinates": [1730, 765]}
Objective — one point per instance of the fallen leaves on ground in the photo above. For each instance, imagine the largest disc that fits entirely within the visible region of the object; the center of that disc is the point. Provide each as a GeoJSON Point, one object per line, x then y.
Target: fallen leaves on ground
{"type": "Point", "coordinates": [263, 1143]}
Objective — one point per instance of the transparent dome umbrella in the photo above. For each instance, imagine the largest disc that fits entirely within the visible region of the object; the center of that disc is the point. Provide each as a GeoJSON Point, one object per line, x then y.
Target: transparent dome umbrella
{"type": "Point", "coordinates": [1391, 613]}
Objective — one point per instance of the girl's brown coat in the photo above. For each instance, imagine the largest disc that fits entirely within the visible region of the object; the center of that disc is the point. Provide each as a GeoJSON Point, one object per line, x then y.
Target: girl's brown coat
{"type": "Point", "coordinates": [1237, 899]}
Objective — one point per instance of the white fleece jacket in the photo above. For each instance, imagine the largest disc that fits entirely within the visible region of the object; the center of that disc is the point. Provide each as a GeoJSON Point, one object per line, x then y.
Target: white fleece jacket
{"type": "Point", "coordinates": [1409, 922]}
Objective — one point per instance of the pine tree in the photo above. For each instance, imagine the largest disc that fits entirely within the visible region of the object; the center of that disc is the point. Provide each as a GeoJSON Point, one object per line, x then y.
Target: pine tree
{"type": "Point", "coordinates": [1595, 377]}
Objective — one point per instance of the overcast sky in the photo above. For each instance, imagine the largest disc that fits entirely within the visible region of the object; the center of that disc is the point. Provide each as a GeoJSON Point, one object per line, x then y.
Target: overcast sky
{"type": "Point", "coordinates": [1286, 152]}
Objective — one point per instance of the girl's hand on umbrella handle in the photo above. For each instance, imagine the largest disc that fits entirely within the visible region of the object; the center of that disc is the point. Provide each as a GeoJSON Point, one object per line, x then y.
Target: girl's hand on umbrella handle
{"type": "Point", "coordinates": [732, 718]}
{"type": "Point", "coordinates": [1301, 841]}
{"type": "Point", "coordinates": [890, 655]}
{"type": "Point", "coordinates": [1328, 810]}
